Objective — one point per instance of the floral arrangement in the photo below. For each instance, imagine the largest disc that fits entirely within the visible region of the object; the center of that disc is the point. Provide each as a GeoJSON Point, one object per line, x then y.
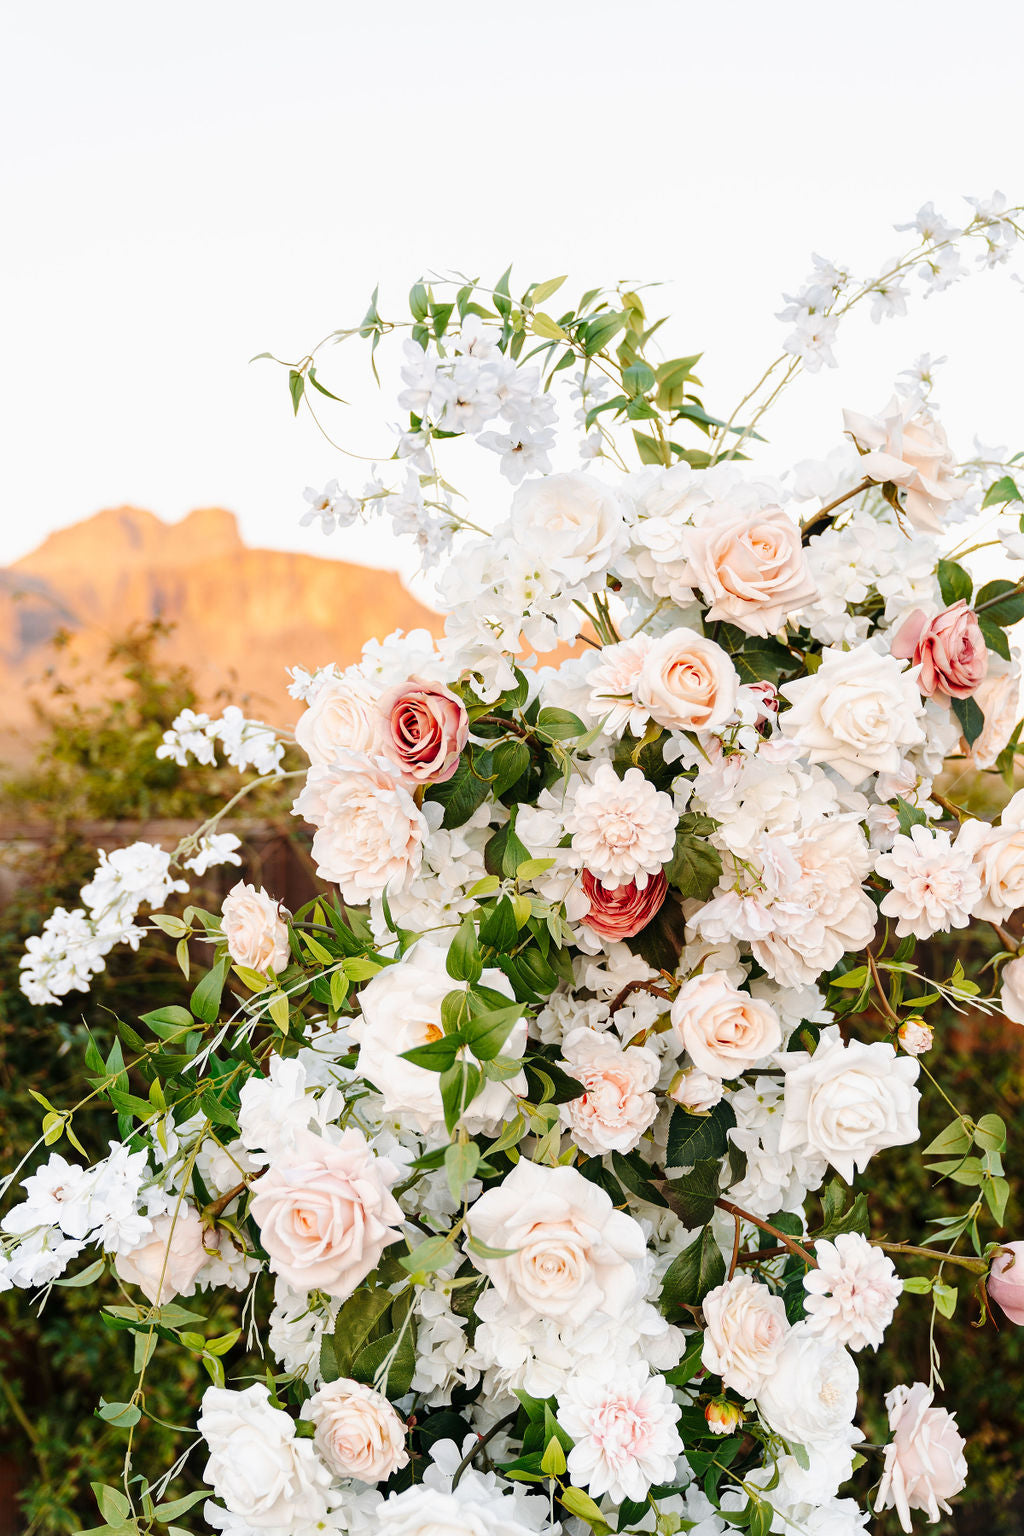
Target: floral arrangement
{"type": "Point", "coordinates": [539, 1142]}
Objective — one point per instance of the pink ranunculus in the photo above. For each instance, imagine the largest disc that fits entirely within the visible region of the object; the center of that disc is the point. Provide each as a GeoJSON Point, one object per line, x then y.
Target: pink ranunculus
{"type": "Point", "coordinates": [950, 650]}
{"type": "Point", "coordinates": [1006, 1281]}
{"type": "Point", "coordinates": [424, 730]}
{"type": "Point", "coordinates": [620, 911]}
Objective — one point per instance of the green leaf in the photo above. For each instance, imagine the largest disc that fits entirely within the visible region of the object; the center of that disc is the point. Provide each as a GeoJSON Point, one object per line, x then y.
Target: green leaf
{"type": "Point", "coordinates": [511, 760]}
{"type": "Point", "coordinates": [908, 816]}
{"type": "Point", "coordinates": [1001, 491]}
{"type": "Point", "coordinates": [486, 1033]}
{"type": "Point", "coordinates": [436, 1055]}
{"type": "Point", "coordinates": [695, 867]}
{"type": "Point", "coordinates": [460, 1085]}
{"type": "Point", "coordinates": [543, 325]}
{"type": "Point", "coordinates": [205, 1000]}
{"type": "Point", "coordinates": [972, 721]}
{"type": "Point", "coordinates": [693, 1196]}
{"type": "Point", "coordinates": [120, 1415]}
{"type": "Point", "coordinates": [463, 962]}
{"type": "Point", "coordinates": [432, 1254]}
{"type": "Point", "coordinates": [918, 1285]}
{"type": "Point", "coordinates": [693, 1273]}
{"type": "Point", "coordinates": [355, 1322]}
{"type": "Point", "coordinates": [1001, 602]}
{"type": "Point", "coordinates": [401, 1370]}
{"type": "Point", "coordinates": [994, 637]}
{"type": "Point", "coordinates": [990, 1133]}
{"type": "Point", "coordinates": [951, 1142]}
{"type": "Point", "coordinates": [560, 724]}
{"type": "Point", "coordinates": [463, 792]}
{"type": "Point", "coordinates": [842, 1210]}
{"type": "Point", "coordinates": [296, 386]}
{"type": "Point", "coordinates": [582, 1506]}
{"type": "Point", "coordinates": [460, 1164]}
{"type": "Point", "coordinates": [553, 1460]}
{"type": "Point", "coordinates": [638, 379]}
{"type": "Point", "coordinates": [954, 582]}
{"type": "Point", "coordinates": [945, 1297]}
{"type": "Point", "coordinates": [419, 302]}
{"type": "Point", "coordinates": [546, 289]}
{"type": "Point", "coordinates": [694, 1138]}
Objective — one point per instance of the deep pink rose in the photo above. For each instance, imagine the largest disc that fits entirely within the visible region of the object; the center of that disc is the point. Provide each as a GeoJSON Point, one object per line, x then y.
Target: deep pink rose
{"type": "Point", "coordinates": [950, 648]}
{"type": "Point", "coordinates": [425, 727]}
{"type": "Point", "coordinates": [1006, 1281]}
{"type": "Point", "coordinates": [621, 911]}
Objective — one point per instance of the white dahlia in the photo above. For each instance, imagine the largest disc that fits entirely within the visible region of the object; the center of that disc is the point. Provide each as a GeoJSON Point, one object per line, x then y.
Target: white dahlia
{"type": "Point", "coordinates": [852, 1295]}
{"type": "Point", "coordinates": [370, 833]}
{"type": "Point", "coordinates": [935, 886]}
{"type": "Point", "coordinates": [622, 829]}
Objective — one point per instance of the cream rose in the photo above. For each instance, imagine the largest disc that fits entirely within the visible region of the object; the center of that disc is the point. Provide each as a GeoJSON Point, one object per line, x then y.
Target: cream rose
{"type": "Point", "coordinates": [998, 860]}
{"type": "Point", "coordinates": [696, 1090]}
{"type": "Point", "coordinates": [1011, 994]}
{"type": "Point", "coordinates": [572, 1252]}
{"type": "Point", "coordinates": [750, 567]}
{"type": "Point", "coordinates": [326, 1212]}
{"type": "Point", "coordinates": [266, 1476]}
{"type": "Point", "coordinates": [370, 834]}
{"type": "Point", "coordinates": [618, 1104]}
{"type": "Point", "coordinates": [724, 1031]}
{"type": "Point", "coordinates": [687, 682]}
{"type": "Point", "coordinates": [998, 698]}
{"type": "Point", "coordinates": [906, 446]}
{"type": "Point", "coordinates": [810, 1395]}
{"type": "Point", "coordinates": [166, 1264]}
{"type": "Point", "coordinates": [847, 1102]}
{"type": "Point", "coordinates": [342, 717]}
{"type": "Point", "coordinates": [400, 1009]}
{"type": "Point", "coordinates": [924, 1461]}
{"type": "Point", "coordinates": [574, 522]}
{"type": "Point", "coordinates": [858, 713]}
{"type": "Point", "coordinates": [745, 1328]}
{"type": "Point", "coordinates": [358, 1433]}
{"type": "Point", "coordinates": [256, 933]}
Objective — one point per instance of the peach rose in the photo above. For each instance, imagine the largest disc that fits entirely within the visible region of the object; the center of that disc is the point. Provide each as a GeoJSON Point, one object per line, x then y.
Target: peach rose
{"type": "Point", "coordinates": [924, 1461]}
{"type": "Point", "coordinates": [998, 859]}
{"type": "Point", "coordinates": [618, 1105]}
{"type": "Point", "coordinates": [572, 1253]}
{"type": "Point", "coordinates": [695, 1090]}
{"type": "Point", "coordinates": [256, 933]}
{"type": "Point", "coordinates": [950, 650]}
{"type": "Point", "coordinates": [907, 447]}
{"type": "Point", "coordinates": [725, 1031]}
{"type": "Point", "coordinates": [342, 716]}
{"type": "Point", "coordinates": [687, 682]}
{"type": "Point", "coordinates": [750, 568]}
{"type": "Point", "coordinates": [745, 1328]}
{"type": "Point", "coordinates": [167, 1263]}
{"type": "Point", "coordinates": [424, 728]}
{"type": "Point", "coordinates": [358, 1433]}
{"type": "Point", "coordinates": [620, 911]}
{"type": "Point", "coordinates": [326, 1214]}
{"type": "Point", "coordinates": [998, 698]}
{"type": "Point", "coordinates": [1006, 1281]}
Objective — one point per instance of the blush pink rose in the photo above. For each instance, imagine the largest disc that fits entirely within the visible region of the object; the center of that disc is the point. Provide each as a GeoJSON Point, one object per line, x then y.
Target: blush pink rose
{"type": "Point", "coordinates": [424, 730]}
{"type": "Point", "coordinates": [620, 911]}
{"type": "Point", "coordinates": [924, 1461]}
{"type": "Point", "coordinates": [327, 1213]}
{"type": "Point", "coordinates": [950, 650]}
{"type": "Point", "coordinates": [357, 1432]}
{"type": "Point", "coordinates": [750, 568]}
{"type": "Point", "coordinates": [256, 933]}
{"type": "Point", "coordinates": [166, 1265]}
{"type": "Point", "coordinates": [1006, 1281]}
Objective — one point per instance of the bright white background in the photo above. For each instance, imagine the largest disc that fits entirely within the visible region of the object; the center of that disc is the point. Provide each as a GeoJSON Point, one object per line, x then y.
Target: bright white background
{"type": "Point", "coordinates": [183, 186]}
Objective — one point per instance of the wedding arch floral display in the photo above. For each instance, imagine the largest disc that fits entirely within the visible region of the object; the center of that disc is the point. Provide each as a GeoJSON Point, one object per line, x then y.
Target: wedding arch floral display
{"type": "Point", "coordinates": [539, 1145]}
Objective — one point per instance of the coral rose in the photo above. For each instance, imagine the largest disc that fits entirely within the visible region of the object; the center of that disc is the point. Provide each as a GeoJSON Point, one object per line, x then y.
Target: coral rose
{"type": "Point", "coordinates": [424, 728]}
{"type": "Point", "coordinates": [950, 650]}
{"type": "Point", "coordinates": [620, 911]}
{"type": "Point", "coordinates": [326, 1213]}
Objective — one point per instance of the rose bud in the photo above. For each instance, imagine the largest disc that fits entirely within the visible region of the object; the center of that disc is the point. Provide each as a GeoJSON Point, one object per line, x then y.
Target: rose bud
{"type": "Point", "coordinates": [424, 730]}
{"type": "Point", "coordinates": [696, 1090]}
{"type": "Point", "coordinates": [1006, 1281]}
{"type": "Point", "coordinates": [949, 648]}
{"type": "Point", "coordinates": [916, 1036]}
{"type": "Point", "coordinates": [722, 1416]}
{"type": "Point", "coordinates": [621, 911]}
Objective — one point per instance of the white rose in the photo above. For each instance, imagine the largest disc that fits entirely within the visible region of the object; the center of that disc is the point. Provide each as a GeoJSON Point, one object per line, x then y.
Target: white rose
{"type": "Point", "coordinates": [745, 1328]}
{"type": "Point", "coordinates": [263, 1473]}
{"type": "Point", "coordinates": [618, 1104]}
{"type": "Point", "coordinates": [342, 717]}
{"type": "Point", "coordinates": [575, 523]}
{"type": "Point", "coordinates": [810, 1397]}
{"type": "Point", "coordinates": [358, 1433]}
{"type": "Point", "coordinates": [370, 833]}
{"type": "Point", "coordinates": [858, 713]}
{"type": "Point", "coordinates": [750, 567]}
{"type": "Point", "coordinates": [1011, 995]}
{"type": "Point", "coordinates": [473, 1509]}
{"type": "Point", "coordinates": [725, 1031]}
{"type": "Point", "coordinates": [400, 1010]}
{"type": "Point", "coordinates": [999, 861]}
{"type": "Point", "coordinates": [573, 1252]}
{"type": "Point", "coordinates": [847, 1102]}
{"type": "Point", "coordinates": [687, 682]}
{"type": "Point", "coordinates": [166, 1263]}
{"type": "Point", "coordinates": [256, 933]}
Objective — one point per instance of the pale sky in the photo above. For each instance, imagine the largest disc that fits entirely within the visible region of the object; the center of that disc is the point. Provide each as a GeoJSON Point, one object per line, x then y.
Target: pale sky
{"type": "Point", "coordinates": [184, 186]}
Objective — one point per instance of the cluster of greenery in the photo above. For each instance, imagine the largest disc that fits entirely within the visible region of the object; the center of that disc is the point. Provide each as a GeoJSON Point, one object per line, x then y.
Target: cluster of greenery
{"type": "Point", "coordinates": [97, 762]}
